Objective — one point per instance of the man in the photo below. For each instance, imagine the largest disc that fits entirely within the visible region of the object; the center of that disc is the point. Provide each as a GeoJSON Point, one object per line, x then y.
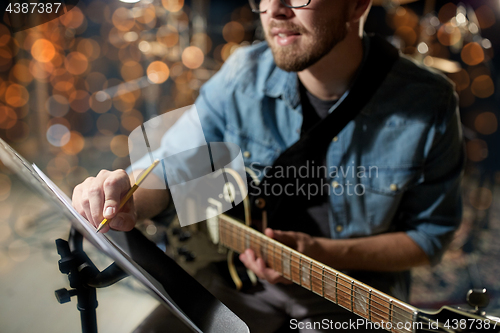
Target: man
{"type": "Point", "coordinates": [265, 97]}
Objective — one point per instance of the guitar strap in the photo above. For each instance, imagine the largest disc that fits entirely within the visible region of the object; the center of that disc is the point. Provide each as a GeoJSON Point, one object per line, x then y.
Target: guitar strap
{"type": "Point", "coordinates": [312, 147]}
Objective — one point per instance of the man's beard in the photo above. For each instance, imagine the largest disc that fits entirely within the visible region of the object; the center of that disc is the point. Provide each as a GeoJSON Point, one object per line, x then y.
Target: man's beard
{"type": "Point", "coordinates": [295, 58]}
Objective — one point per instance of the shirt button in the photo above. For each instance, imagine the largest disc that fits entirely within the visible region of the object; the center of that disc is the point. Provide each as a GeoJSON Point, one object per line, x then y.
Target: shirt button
{"type": "Point", "coordinates": [247, 154]}
{"type": "Point", "coordinates": [394, 187]}
{"type": "Point", "coordinates": [335, 139]}
{"type": "Point", "coordinates": [339, 228]}
{"type": "Point", "coordinates": [335, 184]}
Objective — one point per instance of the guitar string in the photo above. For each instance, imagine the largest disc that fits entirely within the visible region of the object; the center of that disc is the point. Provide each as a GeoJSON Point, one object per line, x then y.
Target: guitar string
{"type": "Point", "coordinates": [396, 315]}
{"type": "Point", "coordinates": [348, 295]}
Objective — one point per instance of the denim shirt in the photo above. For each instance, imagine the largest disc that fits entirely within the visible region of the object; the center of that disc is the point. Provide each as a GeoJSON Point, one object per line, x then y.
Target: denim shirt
{"type": "Point", "coordinates": [407, 140]}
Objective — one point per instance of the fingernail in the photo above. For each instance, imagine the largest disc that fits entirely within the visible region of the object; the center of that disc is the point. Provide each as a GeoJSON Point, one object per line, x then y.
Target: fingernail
{"type": "Point", "coordinates": [117, 223]}
{"type": "Point", "coordinates": [109, 211]}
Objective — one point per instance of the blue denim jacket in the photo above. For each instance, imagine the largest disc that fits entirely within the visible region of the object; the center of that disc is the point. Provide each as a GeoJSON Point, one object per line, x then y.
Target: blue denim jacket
{"type": "Point", "coordinates": [407, 139]}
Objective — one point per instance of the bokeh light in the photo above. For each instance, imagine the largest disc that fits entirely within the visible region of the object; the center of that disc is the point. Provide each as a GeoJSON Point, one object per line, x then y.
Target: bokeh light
{"type": "Point", "coordinates": [76, 63]}
{"type": "Point", "coordinates": [57, 105]}
{"type": "Point", "coordinates": [472, 54]}
{"type": "Point", "coordinates": [74, 143]}
{"type": "Point", "coordinates": [481, 198]}
{"type": "Point", "coordinates": [158, 72]}
{"type": "Point", "coordinates": [192, 57]}
{"type": "Point", "coordinates": [16, 95]}
{"type": "Point", "coordinates": [8, 117]}
{"type": "Point", "coordinates": [486, 123]}
{"type": "Point", "coordinates": [173, 5]}
{"type": "Point", "coordinates": [483, 86]}
{"type": "Point", "coordinates": [57, 135]}
{"type": "Point", "coordinates": [233, 32]}
{"type": "Point", "coordinates": [119, 145]}
{"type": "Point", "coordinates": [43, 50]}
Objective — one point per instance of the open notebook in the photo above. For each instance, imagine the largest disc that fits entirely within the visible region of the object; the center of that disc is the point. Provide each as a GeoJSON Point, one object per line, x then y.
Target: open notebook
{"type": "Point", "coordinates": [139, 257]}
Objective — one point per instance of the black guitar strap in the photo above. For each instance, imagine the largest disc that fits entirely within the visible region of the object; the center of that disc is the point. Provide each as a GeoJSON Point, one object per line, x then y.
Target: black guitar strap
{"type": "Point", "coordinates": [313, 145]}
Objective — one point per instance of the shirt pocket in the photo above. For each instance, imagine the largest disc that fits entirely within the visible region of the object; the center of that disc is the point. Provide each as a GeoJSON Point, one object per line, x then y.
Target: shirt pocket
{"type": "Point", "coordinates": [383, 192]}
{"type": "Point", "coordinates": [257, 153]}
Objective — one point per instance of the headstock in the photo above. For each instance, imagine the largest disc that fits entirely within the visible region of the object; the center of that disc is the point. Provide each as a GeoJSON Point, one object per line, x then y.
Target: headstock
{"type": "Point", "coordinates": [449, 319]}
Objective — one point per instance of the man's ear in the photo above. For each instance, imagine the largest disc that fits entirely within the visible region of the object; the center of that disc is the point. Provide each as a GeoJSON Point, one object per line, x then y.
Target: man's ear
{"type": "Point", "coordinates": [361, 10]}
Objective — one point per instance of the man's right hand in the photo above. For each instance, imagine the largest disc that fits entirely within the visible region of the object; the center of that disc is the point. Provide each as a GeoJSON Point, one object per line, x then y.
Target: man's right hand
{"type": "Point", "coordinates": [99, 197]}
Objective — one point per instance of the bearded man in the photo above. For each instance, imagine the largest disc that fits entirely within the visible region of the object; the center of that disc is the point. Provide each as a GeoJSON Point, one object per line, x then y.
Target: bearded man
{"type": "Point", "coordinates": [313, 70]}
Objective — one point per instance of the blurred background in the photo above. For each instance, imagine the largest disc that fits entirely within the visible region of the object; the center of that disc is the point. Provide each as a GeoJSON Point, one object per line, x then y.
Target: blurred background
{"type": "Point", "coordinates": [72, 89]}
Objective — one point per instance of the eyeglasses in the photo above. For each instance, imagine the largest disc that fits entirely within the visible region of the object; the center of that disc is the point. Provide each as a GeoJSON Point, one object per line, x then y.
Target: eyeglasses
{"type": "Point", "coordinates": [260, 6]}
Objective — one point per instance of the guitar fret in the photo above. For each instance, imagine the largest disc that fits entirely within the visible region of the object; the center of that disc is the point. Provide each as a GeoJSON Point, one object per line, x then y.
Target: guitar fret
{"type": "Point", "coordinates": [352, 296]}
{"type": "Point", "coordinates": [323, 280]}
{"type": "Point", "coordinates": [370, 305]}
{"type": "Point", "coordinates": [310, 275]}
{"type": "Point", "coordinates": [281, 259]}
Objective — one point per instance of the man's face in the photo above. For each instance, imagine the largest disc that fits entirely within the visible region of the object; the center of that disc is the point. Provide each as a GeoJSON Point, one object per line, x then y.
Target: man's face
{"type": "Point", "coordinates": [300, 37]}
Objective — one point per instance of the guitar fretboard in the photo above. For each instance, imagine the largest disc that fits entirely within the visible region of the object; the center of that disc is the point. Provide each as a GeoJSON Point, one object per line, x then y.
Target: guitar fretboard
{"type": "Point", "coordinates": [333, 285]}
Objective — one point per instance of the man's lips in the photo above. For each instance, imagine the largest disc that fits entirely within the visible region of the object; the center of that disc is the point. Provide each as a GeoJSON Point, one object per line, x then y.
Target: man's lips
{"type": "Point", "coordinates": [284, 37]}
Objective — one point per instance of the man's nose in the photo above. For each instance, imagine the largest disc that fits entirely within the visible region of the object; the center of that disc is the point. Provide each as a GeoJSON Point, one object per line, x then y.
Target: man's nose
{"type": "Point", "coordinates": [276, 9]}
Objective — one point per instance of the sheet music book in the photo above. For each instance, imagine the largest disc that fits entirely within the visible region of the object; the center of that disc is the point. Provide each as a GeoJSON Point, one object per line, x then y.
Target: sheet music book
{"type": "Point", "coordinates": [220, 318]}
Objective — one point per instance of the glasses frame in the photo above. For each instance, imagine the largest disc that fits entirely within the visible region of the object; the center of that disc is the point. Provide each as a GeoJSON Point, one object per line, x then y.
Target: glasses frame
{"type": "Point", "coordinates": [253, 4]}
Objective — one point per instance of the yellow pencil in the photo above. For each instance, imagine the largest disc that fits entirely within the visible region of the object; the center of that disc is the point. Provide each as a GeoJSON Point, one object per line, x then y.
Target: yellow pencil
{"type": "Point", "coordinates": [131, 191]}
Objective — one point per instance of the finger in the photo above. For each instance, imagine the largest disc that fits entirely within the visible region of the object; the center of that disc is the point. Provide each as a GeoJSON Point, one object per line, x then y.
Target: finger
{"type": "Point", "coordinates": [286, 237]}
{"type": "Point", "coordinates": [123, 222]}
{"type": "Point", "coordinates": [96, 196]}
{"type": "Point", "coordinates": [76, 200]}
{"type": "Point", "coordinates": [248, 259]}
{"type": "Point", "coordinates": [115, 187]}
{"type": "Point", "coordinates": [84, 202]}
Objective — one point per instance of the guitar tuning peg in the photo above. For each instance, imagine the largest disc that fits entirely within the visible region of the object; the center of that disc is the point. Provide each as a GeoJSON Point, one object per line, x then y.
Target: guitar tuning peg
{"type": "Point", "coordinates": [478, 298]}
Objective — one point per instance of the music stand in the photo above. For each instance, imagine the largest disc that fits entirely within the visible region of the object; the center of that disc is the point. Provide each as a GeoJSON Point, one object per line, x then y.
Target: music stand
{"type": "Point", "coordinates": [136, 255]}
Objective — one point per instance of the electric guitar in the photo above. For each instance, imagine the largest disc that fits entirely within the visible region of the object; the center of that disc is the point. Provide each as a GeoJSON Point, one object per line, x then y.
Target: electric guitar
{"type": "Point", "coordinates": [355, 296]}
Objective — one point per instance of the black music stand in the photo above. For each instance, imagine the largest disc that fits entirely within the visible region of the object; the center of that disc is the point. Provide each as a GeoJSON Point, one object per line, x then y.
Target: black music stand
{"type": "Point", "coordinates": [199, 310]}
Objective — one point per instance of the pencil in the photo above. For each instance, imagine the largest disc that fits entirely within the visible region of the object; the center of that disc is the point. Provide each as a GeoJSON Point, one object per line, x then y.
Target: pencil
{"type": "Point", "coordinates": [131, 191]}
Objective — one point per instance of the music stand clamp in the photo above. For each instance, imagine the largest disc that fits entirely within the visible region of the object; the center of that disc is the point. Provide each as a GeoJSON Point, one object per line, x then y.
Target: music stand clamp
{"type": "Point", "coordinates": [84, 278]}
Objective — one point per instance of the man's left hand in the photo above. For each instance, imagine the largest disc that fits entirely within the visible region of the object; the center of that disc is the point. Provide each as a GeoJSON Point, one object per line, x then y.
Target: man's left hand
{"type": "Point", "coordinates": [296, 240]}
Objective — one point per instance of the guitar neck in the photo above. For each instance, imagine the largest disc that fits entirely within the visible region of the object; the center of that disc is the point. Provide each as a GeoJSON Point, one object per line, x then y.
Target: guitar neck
{"type": "Point", "coordinates": [324, 281]}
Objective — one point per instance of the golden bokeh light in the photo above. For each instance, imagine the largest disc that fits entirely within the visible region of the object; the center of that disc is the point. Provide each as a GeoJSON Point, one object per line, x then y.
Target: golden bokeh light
{"type": "Point", "coordinates": [477, 150]}
{"type": "Point", "coordinates": [131, 120]}
{"type": "Point", "coordinates": [119, 145]}
{"type": "Point", "coordinates": [168, 35]}
{"type": "Point", "coordinates": [76, 63]}
{"type": "Point", "coordinates": [449, 35]}
{"type": "Point", "coordinates": [483, 86]}
{"type": "Point", "coordinates": [233, 32]}
{"type": "Point", "coordinates": [89, 48]}
{"type": "Point", "coordinates": [192, 57]}
{"type": "Point", "coordinates": [16, 95]}
{"type": "Point", "coordinates": [4, 35]}
{"type": "Point", "coordinates": [72, 19]}
{"type": "Point", "coordinates": [203, 41]}
{"type": "Point", "coordinates": [228, 49]}
{"type": "Point", "coordinates": [79, 101]}
{"type": "Point", "coordinates": [20, 72]}
{"type": "Point", "coordinates": [447, 12]}
{"type": "Point", "coordinates": [485, 16]}
{"type": "Point", "coordinates": [43, 50]}
{"type": "Point", "coordinates": [123, 19]}
{"type": "Point", "coordinates": [472, 54]}
{"type": "Point", "coordinates": [486, 123]}
{"type": "Point", "coordinates": [173, 5]}
{"type": "Point", "coordinates": [41, 71]}
{"type": "Point", "coordinates": [131, 70]}
{"type": "Point", "coordinates": [148, 16]}
{"type": "Point", "coordinates": [461, 79]}
{"type": "Point", "coordinates": [100, 102]}
{"type": "Point", "coordinates": [407, 34]}
{"type": "Point", "coordinates": [75, 143]}
{"type": "Point", "coordinates": [8, 117]}
{"type": "Point", "coordinates": [158, 72]}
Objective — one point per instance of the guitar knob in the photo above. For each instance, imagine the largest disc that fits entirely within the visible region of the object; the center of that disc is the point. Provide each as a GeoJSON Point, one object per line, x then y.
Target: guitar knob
{"type": "Point", "coordinates": [478, 298]}
{"type": "Point", "coordinates": [260, 203]}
